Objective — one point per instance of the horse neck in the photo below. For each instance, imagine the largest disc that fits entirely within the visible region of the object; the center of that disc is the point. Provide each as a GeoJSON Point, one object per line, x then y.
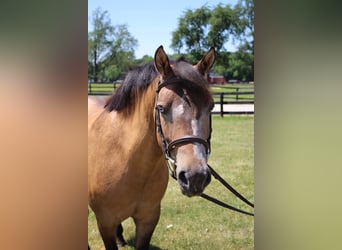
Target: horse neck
{"type": "Point", "coordinates": [142, 122]}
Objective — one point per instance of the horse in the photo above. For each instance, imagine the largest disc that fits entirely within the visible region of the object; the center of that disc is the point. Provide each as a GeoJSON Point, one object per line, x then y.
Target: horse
{"type": "Point", "coordinates": [157, 120]}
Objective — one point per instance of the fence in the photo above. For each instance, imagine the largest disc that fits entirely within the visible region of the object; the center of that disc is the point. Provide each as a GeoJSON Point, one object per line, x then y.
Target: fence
{"type": "Point", "coordinates": [102, 88]}
{"type": "Point", "coordinates": [237, 100]}
{"type": "Point", "coordinates": [223, 96]}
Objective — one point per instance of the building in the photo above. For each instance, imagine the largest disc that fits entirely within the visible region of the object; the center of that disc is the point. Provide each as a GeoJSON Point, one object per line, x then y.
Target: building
{"type": "Point", "coordinates": [216, 79]}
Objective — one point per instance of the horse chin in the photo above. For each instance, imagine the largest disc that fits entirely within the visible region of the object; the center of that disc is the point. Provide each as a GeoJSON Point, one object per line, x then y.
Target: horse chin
{"type": "Point", "coordinates": [188, 193]}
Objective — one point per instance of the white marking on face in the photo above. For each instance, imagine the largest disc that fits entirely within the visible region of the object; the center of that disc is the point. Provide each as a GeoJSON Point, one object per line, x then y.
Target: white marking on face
{"type": "Point", "coordinates": [198, 148]}
{"type": "Point", "coordinates": [195, 127]}
{"type": "Point", "coordinates": [179, 110]}
{"type": "Point", "coordinates": [198, 151]}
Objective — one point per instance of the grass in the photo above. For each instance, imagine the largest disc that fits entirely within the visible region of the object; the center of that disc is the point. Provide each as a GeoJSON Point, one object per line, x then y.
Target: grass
{"type": "Point", "coordinates": [194, 223]}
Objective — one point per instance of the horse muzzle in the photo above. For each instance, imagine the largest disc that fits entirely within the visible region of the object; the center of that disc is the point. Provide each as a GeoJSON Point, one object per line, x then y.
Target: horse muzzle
{"type": "Point", "coordinates": [193, 183]}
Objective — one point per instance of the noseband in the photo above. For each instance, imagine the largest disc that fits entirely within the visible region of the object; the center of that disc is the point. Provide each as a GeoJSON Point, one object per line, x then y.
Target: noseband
{"type": "Point", "coordinates": [168, 147]}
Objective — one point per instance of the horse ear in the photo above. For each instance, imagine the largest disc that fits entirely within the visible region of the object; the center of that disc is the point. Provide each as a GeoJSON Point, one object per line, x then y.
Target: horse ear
{"type": "Point", "coordinates": [161, 62]}
{"type": "Point", "coordinates": [205, 64]}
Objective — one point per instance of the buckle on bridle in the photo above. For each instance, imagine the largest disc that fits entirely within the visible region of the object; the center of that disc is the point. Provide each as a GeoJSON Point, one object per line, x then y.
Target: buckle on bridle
{"type": "Point", "coordinates": [171, 165]}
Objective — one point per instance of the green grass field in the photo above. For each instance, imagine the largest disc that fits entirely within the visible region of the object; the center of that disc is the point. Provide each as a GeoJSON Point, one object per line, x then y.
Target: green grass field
{"type": "Point", "coordinates": [194, 223]}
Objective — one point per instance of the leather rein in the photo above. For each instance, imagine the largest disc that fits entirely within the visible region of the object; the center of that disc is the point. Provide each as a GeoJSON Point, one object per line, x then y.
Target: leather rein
{"type": "Point", "coordinates": [168, 147]}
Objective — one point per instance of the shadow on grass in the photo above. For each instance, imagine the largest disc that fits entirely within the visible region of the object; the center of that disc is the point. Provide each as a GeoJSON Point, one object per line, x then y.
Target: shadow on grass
{"type": "Point", "coordinates": [131, 242]}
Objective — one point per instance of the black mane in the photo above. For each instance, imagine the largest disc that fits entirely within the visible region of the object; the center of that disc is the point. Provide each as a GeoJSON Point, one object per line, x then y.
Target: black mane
{"type": "Point", "coordinates": [136, 80]}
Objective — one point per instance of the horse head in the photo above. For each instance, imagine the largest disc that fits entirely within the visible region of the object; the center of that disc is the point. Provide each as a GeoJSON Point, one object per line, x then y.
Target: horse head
{"type": "Point", "coordinates": [183, 106]}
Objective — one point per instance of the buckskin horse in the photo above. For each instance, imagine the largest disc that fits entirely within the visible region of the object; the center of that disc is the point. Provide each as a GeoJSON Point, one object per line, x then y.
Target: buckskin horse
{"type": "Point", "coordinates": [158, 119]}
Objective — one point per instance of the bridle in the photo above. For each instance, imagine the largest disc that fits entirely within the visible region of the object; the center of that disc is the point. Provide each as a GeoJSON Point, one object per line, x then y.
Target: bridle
{"type": "Point", "coordinates": [168, 147]}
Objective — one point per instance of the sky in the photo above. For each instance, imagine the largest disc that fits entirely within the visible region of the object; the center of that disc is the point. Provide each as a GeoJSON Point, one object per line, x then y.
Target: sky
{"type": "Point", "coordinates": [151, 22]}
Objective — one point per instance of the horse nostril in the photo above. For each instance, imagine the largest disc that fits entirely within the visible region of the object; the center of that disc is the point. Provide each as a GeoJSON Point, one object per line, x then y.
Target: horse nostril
{"type": "Point", "coordinates": [182, 178]}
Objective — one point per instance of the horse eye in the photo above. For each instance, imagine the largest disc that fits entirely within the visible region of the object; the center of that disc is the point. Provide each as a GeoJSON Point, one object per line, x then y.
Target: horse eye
{"type": "Point", "coordinates": [161, 109]}
{"type": "Point", "coordinates": [212, 107]}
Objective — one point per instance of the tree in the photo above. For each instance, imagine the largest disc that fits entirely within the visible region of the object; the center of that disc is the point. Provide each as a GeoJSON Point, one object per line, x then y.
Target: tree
{"type": "Point", "coordinates": [90, 70]}
{"type": "Point", "coordinates": [243, 59]}
{"type": "Point", "coordinates": [110, 48]}
{"type": "Point", "coordinates": [241, 64]}
{"type": "Point", "coordinates": [224, 24]}
{"type": "Point", "coordinates": [191, 31]}
{"type": "Point", "coordinates": [200, 29]}
{"type": "Point", "coordinates": [245, 11]}
{"type": "Point", "coordinates": [99, 40]}
{"type": "Point", "coordinates": [145, 59]}
{"type": "Point", "coordinates": [122, 53]}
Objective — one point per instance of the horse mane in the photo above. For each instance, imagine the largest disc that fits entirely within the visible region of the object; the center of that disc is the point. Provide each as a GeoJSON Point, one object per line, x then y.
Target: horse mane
{"type": "Point", "coordinates": [137, 80]}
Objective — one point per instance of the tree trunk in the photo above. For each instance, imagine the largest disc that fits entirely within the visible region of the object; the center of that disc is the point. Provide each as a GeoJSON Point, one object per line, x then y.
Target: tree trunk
{"type": "Point", "coordinates": [95, 66]}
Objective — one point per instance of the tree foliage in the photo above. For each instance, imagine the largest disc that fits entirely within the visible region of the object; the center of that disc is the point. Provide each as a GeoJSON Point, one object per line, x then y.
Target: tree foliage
{"type": "Point", "coordinates": [206, 27]}
{"type": "Point", "coordinates": [191, 30]}
{"type": "Point", "coordinates": [145, 59]}
{"type": "Point", "coordinates": [110, 48]}
{"type": "Point", "coordinates": [223, 25]}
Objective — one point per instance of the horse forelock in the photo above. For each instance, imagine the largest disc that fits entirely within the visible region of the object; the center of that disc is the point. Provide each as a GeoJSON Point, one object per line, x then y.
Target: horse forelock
{"type": "Point", "coordinates": [196, 84]}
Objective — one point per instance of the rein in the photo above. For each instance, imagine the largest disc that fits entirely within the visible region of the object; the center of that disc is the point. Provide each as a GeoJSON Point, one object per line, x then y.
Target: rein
{"type": "Point", "coordinates": [231, 189]}
{"type": "Point", "coordinates": [167, 147]}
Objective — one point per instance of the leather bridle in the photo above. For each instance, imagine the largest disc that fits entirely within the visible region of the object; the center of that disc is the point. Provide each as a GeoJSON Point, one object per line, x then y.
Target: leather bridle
{"type": "Point", "coordinates": [168, 147]}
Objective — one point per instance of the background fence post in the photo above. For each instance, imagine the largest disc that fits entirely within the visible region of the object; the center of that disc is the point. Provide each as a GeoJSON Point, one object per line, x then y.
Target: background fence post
{"type": "Point", "coordinates": [221, 103]}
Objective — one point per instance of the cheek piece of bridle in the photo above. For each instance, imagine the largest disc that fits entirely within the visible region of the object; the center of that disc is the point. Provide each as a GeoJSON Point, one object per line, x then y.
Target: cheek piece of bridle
{"type": "Point", "coordinates": [168, 147]}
